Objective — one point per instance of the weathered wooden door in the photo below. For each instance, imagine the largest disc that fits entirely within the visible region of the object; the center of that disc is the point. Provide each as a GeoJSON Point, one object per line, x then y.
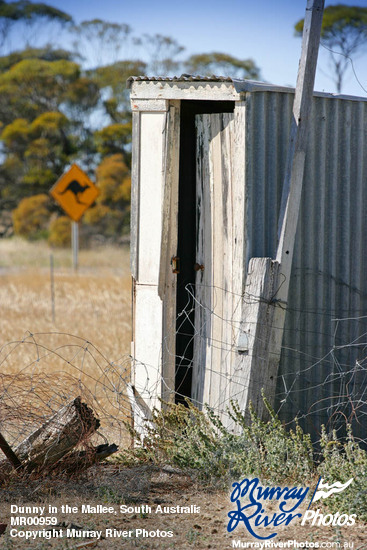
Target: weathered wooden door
{"type": "Point", "coordinates": [219, 257]}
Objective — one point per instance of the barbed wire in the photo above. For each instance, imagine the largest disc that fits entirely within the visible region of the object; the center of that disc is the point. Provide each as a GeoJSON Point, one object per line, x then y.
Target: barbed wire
{"type": "Point", "coordinates": [316, 390]}
{"type": "Point", "coordinates": [43, 371]}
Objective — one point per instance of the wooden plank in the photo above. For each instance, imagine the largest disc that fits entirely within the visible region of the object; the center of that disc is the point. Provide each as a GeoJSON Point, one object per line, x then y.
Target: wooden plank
{"type": "Point", "coordinates": [252, 372]}
{"type": "Point", "coordinates": [152, 139]}
{"type": "Point", "coordinates": [225, 196]}
{"type": "Point", "coordinates": [220, 223]}
{"type": "Point", "coordinates": [139, 152]}
{"type": "Point", "coordinates": [204, 279]}
{"type": "Point", "coordinates": [148, 344]}
{"type": "Point", "coordinates": [171, 152]}
{"type": "Point", "coordinates": [149, 137]}
{"type": "Point", "coordinates": [201, 318]}
{"type": "Point", "coordinates": [167, 285]}
{"type": "Point", "coordinates": [149, 105]}
{"type": "Point", "coordinates": [238, 137]}
{"type": "Point", "coordinates": [141, 413]}
{"type": "Point", "coordinates": [268, 280]}
{"type": "Point", "coordinates": [230, 263]}
{"type": "Point", "coordinates": [292, 188]}
{"type": "Point", "coordinates": [216, 221]}
{"type": "Point", "coordinates": [135, 184]}
{"type": "Point", "coordinates": [59, 435]}
{"type": "Point", "coordinates": [198, 368]}
{"type": "Point", "coordinates": [220, 200]}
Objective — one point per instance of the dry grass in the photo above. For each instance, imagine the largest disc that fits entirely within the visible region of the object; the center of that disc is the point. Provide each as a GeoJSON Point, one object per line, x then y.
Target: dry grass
{"type": "Point", "coordinates": [85, 351]}
{"type": "Point", "coordinates": [17, 252]}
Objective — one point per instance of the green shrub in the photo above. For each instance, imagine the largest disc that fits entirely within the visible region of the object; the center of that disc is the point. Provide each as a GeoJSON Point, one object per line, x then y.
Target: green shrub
{"type": "Point", "coordinates": [188, 438]}
{"type": "Point", "coordinates": [60, 232]}
{"type": "Point", "coordinates": [31, 217]}
{"type": "Point", "coordinates": [342, 461]}
{"type": "Point", "coordinates": [198, 443]}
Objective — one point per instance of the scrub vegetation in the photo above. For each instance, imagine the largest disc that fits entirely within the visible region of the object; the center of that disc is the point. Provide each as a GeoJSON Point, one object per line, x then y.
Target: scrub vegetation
{"type": "Point", "coordinates": [198, 443]}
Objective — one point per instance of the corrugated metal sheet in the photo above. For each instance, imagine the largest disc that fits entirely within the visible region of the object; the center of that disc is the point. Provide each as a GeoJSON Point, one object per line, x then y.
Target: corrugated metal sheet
{"type": "Point", "coordinates": [329, 275]}
{"type": "Point", "coordinates": [182, 78]}
{"type": "Point", "coordinates": [238, 85]}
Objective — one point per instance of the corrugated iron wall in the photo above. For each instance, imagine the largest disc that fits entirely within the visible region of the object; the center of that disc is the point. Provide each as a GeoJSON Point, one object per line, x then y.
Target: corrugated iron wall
{"type": "Point", "coordinates": [318, 379]}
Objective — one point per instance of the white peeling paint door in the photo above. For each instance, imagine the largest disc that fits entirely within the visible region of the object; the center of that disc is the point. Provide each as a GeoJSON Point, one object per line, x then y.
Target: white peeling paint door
{"type": "Point", "coordinates": [219, 256]}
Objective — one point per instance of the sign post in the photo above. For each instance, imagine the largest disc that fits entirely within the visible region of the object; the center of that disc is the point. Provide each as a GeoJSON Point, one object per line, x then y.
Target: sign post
{"type": "Point", "coordinates": [75, 193]}
{"type": "Point", "coordinates": [75, 243]}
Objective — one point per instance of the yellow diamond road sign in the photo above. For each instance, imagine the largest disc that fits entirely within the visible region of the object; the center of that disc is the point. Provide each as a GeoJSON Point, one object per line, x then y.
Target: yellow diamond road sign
{"type": "Point", "coordinates": [74, 192]}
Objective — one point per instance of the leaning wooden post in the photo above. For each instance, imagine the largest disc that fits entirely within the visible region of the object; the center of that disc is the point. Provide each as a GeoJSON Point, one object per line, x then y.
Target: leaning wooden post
{"type": "Point", "coordinates": [292, 188]}
{"type": "Point", "coordinates": [267, 282]}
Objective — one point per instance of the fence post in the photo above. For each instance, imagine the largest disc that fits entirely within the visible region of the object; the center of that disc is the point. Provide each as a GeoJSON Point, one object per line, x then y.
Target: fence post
{"type": "Point", "coordinates": [52, 281]}
{"type": "Point", "coordinates": [75, 243]}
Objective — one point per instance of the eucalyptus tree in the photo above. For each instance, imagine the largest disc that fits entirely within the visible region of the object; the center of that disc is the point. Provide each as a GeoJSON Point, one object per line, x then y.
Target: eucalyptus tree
{"type": "Point", "coordinates": [343, 33]}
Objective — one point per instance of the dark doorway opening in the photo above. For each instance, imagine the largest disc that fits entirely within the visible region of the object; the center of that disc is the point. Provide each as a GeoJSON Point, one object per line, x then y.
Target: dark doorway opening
{"type": "Point", "coordinates": [186, 248]}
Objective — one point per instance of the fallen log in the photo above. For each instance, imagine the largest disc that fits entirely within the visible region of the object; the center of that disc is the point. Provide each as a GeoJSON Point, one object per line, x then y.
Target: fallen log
{"type": "Point", "coordinates": [78, 461]}
{"type": "Point", "coordinates": [72, 424]}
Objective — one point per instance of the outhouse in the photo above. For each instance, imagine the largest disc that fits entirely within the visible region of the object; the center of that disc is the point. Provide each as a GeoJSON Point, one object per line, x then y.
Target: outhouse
{"type": "Point", "coordinates": [209, 156]}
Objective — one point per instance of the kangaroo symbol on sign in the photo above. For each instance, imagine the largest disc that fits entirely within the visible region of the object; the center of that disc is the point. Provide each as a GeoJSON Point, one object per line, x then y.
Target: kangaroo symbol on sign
{"type": "Point", "coordinates": [76, 188]}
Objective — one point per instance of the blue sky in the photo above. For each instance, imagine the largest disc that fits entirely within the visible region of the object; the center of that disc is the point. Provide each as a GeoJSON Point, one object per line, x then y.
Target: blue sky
{"type": "Point", "coordinates": [260, 29]}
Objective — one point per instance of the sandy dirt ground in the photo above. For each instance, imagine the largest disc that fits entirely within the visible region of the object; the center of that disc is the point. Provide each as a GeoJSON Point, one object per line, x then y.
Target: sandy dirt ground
{"type": "Point", "coordinates": [134, 501]}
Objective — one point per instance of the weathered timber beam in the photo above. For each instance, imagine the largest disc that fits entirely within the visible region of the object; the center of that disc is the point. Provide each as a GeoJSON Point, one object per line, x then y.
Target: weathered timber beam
{"type": "Point", "coordinates": [59, 435]}
{"type": "Point", "coordinates": [267, 318]}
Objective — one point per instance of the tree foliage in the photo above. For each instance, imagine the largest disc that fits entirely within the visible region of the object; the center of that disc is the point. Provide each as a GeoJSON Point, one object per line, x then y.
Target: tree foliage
{"type": "Point", "coordinates": [113, 180]}
{"type": "Point", "coordinates": [221, 64]}
{"type": "Point", "coordinates": [33, 86]}
{"type": "Point", "coordinates": [29, 14]}
{"type": "Point", "coordinates": [343, 32]}
{"type": "Point", "coordinates": [112, 210]}
{"type": "Point", "coordinates": [24, 9]}
{"type": "Point", "coordinates": [31, 216]}
{"type": "Point", "coordinates": [60, 232]}
{"type": "Point", "coordinates": [58, 107]}
{"type": "Point", "coordinates": [47, 53]}
{"type": "Point", "coordinates": [114, 138]}
{"type": "Point", "coordinates": [111, 80]}
{"type": "Point", "coordinates": [163, 51]}
{"type": "Point", "coordinates": [107, 38]}
{"type": "Point", "coordinates": [42, 104]}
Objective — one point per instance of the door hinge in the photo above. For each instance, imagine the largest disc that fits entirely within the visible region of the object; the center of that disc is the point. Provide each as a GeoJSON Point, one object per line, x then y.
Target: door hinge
{"type": "Point", "coordinates": [175, 263]}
